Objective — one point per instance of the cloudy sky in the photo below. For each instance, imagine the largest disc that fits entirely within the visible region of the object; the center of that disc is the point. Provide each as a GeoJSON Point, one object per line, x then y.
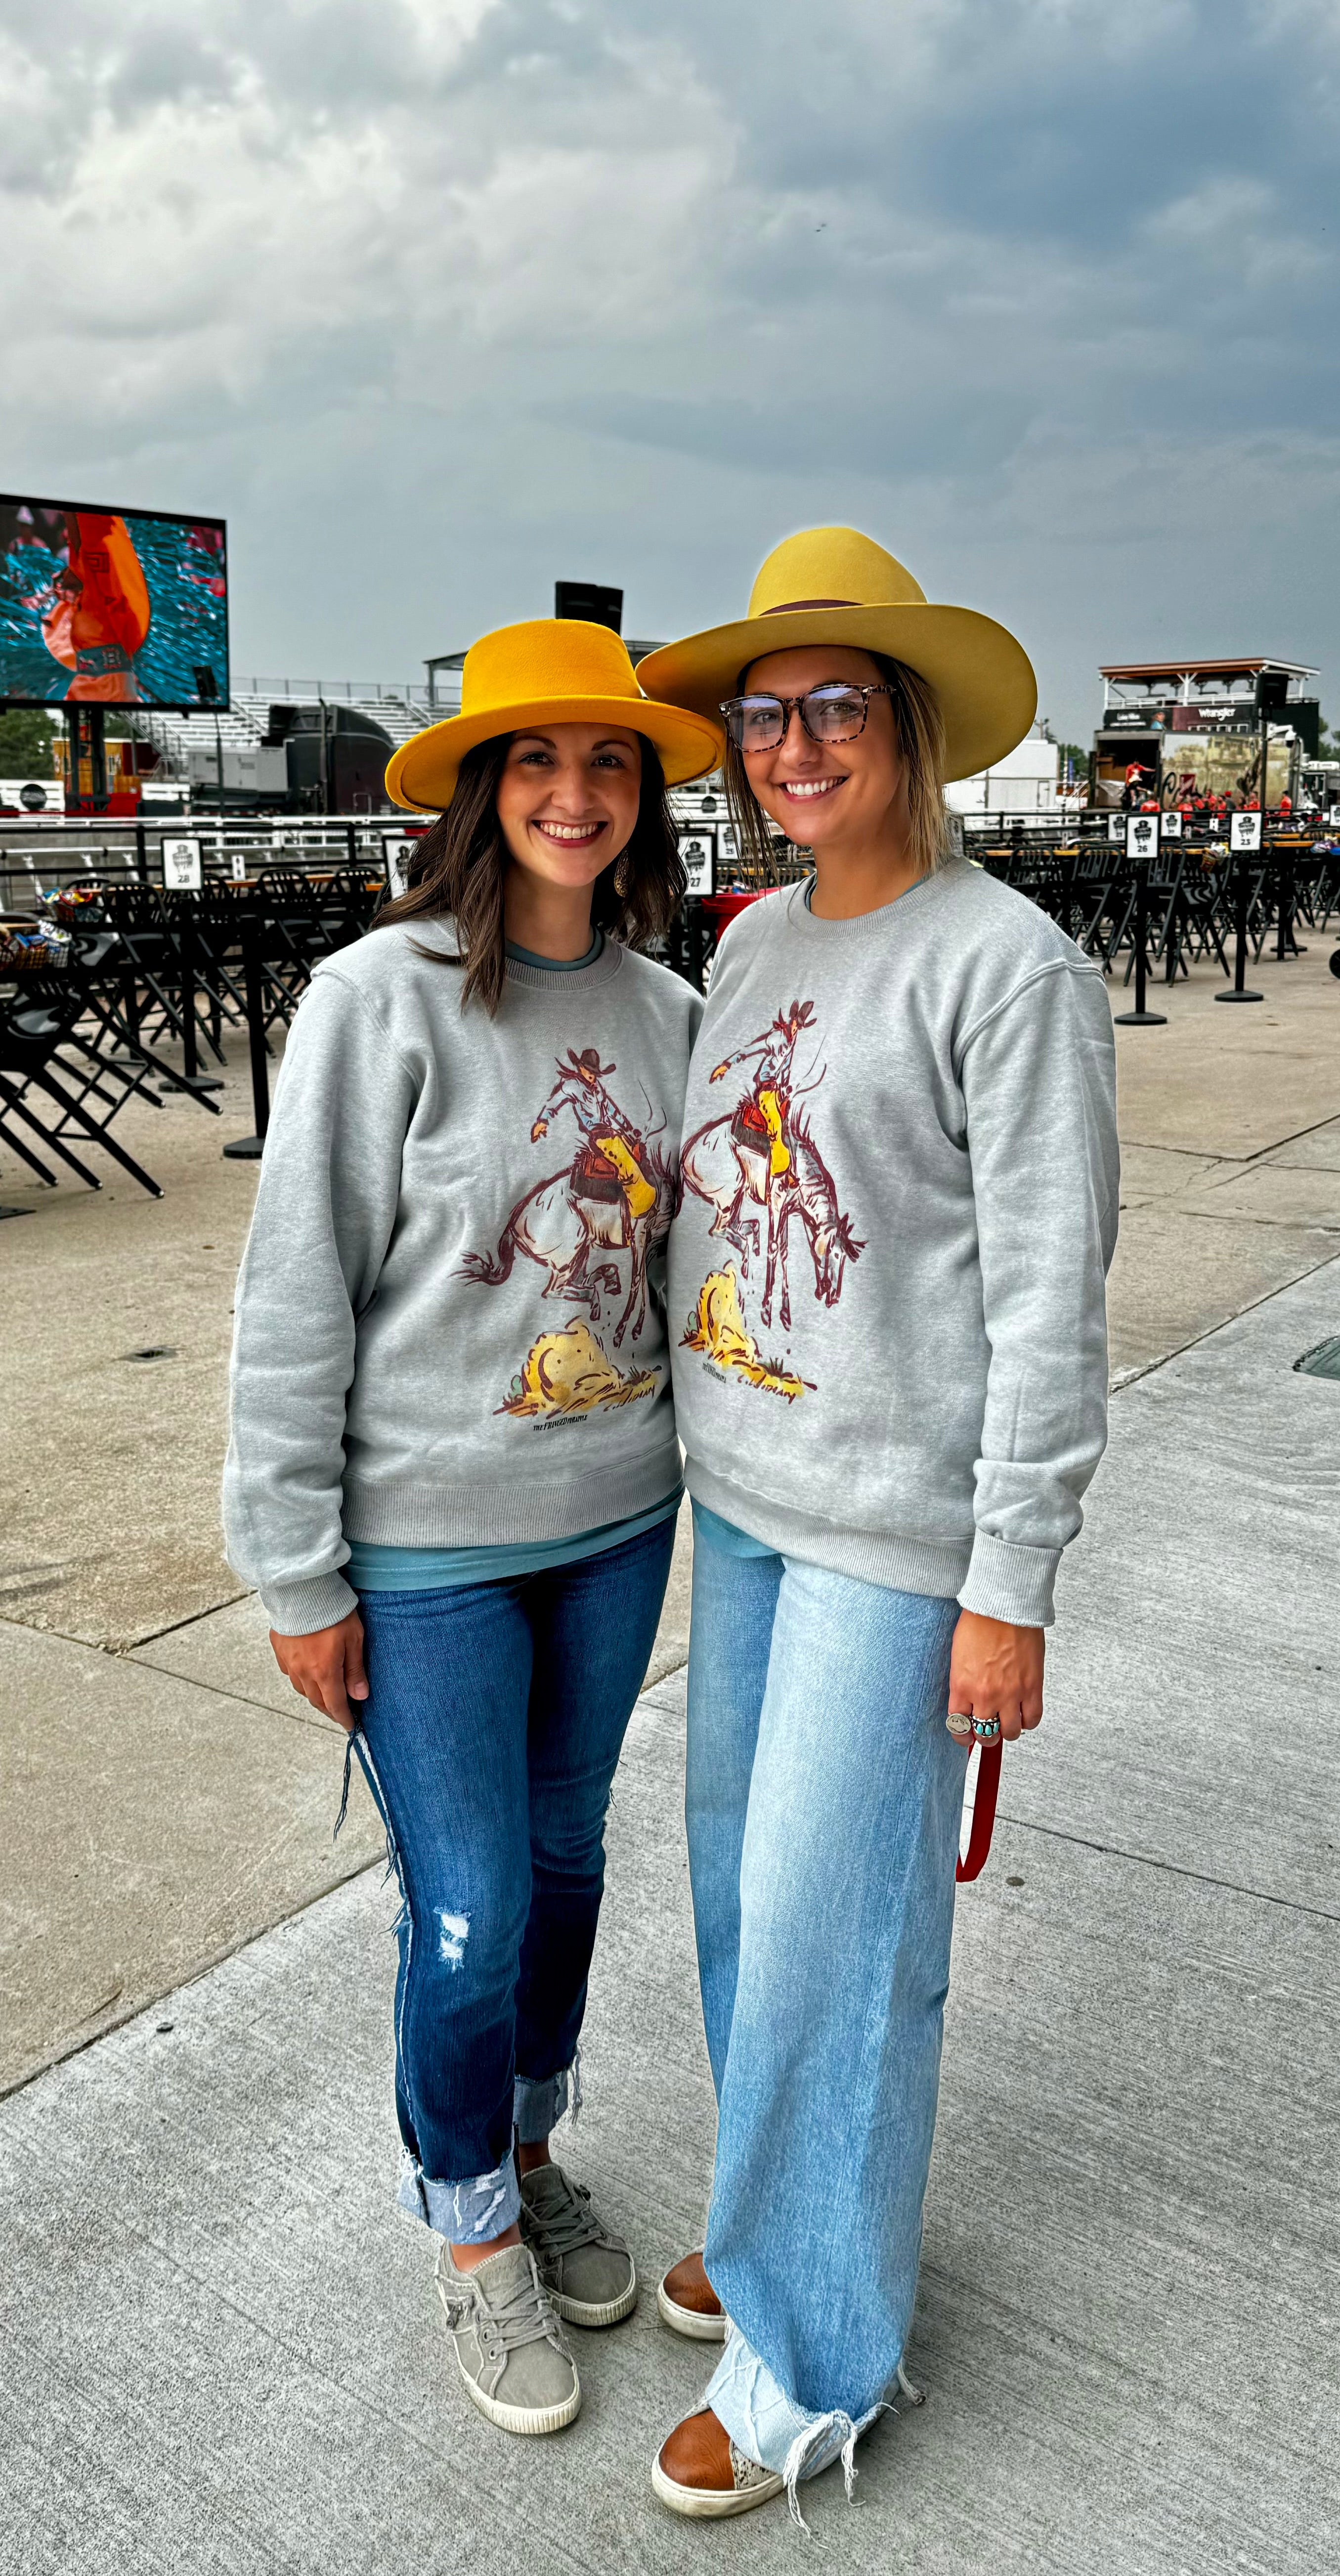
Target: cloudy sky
{"type": "Point", "coordinates": [436, 300]}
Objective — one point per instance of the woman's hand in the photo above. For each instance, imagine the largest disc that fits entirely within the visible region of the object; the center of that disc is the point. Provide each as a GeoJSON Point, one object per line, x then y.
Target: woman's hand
{"type": "Point", "coordinates": [995, 1670]}
{"type": "Point", "coordinates": [327, 1667]}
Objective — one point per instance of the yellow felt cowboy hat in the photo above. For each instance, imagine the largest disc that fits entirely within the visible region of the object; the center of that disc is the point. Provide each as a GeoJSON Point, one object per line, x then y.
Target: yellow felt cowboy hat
{"type": "Point", "coordinates": [551, 670]}
{"type": "Point", "coordinates": [834, 586]}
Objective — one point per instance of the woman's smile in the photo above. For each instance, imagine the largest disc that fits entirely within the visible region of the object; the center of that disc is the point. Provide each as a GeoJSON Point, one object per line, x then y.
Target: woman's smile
{"type": "Point", "coordinates": [810, 787]}
{"type": "Point", "coordinates": [571, 836]}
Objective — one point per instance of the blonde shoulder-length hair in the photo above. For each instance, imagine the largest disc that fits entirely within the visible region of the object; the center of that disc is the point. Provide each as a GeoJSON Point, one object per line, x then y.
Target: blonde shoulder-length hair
{"type": "Point", "coordinates": [920, 733]}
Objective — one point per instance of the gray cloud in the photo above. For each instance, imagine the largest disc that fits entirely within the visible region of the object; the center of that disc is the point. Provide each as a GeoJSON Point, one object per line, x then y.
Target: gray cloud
{"type": "Point", "coordinates": [437, 299]}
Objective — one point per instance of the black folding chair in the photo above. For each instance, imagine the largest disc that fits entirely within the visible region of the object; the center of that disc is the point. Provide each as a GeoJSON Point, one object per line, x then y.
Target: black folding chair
{"type": "Point", "coordinates": [43, 1057]}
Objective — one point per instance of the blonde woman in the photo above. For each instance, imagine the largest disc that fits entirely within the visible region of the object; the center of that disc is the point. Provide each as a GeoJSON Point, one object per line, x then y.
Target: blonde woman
{"type": "Point", "coordinates": [899, 1196]}
{"type": "Point", "coordinates": [454, 1472]}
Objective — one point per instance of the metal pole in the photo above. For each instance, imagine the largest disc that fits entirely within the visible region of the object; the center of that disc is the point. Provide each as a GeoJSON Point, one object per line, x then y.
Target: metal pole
{"type": "Point", "coordinates": [97, 753]}
{"type": "Point", "coordinates": [1237, 991]}
{"type": "Point", "coordinates": [248, 1149]}
{"type": "Point", "coordinates": [187, 945]}
{"type": "Point", "coordinates": [1140, 1018]}
{"type": "Point", "coordinates": [186, 938]}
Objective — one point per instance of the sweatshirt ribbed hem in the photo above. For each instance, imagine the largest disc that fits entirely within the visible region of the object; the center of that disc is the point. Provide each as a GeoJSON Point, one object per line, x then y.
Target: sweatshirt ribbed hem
{"type": "Point", "coordinates": [935, 1567]}
{"type": "Point", "coordinates": [299, 1609]}
{"type": "Point", "coordinates": [989, 1575]}
{"type": "Point", "coordinates": [514, 1514]}
{"type": "Point", "coordinates": [470, 1516]}
{"type": "Point", "coordinates": [1005, 1581]}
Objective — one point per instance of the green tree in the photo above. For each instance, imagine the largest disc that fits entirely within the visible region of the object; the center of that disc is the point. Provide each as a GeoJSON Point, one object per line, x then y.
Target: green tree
{"type": "Point", "coordinates": [25, 743]}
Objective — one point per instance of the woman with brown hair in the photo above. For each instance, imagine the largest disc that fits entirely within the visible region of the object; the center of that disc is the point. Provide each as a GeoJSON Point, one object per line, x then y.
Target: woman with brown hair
{"type": "Point", "coordinates": [899, 1196]}
{"type": "Point", "coordinates": [454, 1472]}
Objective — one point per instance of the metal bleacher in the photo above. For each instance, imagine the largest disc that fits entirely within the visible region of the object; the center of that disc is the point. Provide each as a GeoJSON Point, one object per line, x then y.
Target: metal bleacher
{"type": "Point", "coordinates": [400, 710]}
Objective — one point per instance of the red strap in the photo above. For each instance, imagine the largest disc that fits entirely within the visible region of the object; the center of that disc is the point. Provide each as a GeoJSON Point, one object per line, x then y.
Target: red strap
{"type": "Point", "coordinates": [983, 1813]}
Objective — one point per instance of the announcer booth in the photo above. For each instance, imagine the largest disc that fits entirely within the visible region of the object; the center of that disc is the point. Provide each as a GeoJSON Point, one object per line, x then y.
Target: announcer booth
{"type": "Point", "coordinates": [110, 608]}
{"type": "Point", "coordinates": [1178, 731]}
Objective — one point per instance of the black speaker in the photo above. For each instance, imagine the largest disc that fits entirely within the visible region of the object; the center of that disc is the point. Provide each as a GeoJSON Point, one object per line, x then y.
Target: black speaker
{"type": "Point", "coordinates": [591, 600]}
{"type": "Point", "coordinates": [1272, 691]}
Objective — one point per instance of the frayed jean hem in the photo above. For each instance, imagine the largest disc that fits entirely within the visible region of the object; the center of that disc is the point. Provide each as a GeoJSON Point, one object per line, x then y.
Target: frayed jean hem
{"type": "Point", "coordinates": [772, 2430]}
{"type": "Point", "coordinates": [465, 2213]}
{"type": "Point", "coordinates": [470, 2213]}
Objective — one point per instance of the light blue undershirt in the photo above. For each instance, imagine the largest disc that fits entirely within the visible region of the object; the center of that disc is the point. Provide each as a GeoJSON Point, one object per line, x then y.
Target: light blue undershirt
{"type": "Point", "coordinates": [434, 1569]}
{"type": "Point", "coordinates": [560, 965]}
{"type": "Point", "coordinates": [725, 1536]}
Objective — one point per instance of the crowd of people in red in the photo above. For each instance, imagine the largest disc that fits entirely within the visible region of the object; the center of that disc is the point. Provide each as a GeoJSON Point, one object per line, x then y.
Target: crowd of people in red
{"type": "Point", "coordinates": [1200, 812]}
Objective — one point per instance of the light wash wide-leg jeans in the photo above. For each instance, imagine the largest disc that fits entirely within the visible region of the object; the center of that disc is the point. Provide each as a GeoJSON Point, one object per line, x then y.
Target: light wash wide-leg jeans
{"type": "Point", "coordinates": [824, 1800]}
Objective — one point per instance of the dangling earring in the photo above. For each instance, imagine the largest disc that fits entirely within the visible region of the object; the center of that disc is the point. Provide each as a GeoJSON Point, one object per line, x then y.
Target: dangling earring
{"type": "Point", "coordinates": [621, 875]}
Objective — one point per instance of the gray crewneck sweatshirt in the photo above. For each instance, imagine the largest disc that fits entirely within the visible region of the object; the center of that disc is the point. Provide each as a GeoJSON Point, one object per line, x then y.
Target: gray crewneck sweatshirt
{"type": "Point", "coordinates": [450, 1317]}
{"type": "Point", "coordinates": [899, 1179]}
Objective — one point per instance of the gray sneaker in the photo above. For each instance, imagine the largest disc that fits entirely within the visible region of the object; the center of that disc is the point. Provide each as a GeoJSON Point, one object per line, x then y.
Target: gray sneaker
{"type": "Point", "coordinates": [512, 2351]}
{"type": "Point", "coordinates": [587, 2271]}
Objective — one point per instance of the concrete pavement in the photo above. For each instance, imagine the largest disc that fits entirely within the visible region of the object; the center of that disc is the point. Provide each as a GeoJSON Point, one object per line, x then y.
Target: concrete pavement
{"type": "Point", "coordinates": [110, 1549]}
{"type": "Point", "coordinates": [220, 2347]}
{"type": "Point", "coordinates": [220, 2352]}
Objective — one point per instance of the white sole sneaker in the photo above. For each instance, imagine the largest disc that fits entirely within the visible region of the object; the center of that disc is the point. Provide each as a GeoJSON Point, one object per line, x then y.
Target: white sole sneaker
{"type": "Point", "coordinates": [689, 2321]}
{"type": "Point", "coordinates": [522, 2419]}
{"type": "Point", "coordinates": [714, 2504]}
{"type": "Point", "coordinates": [581, 2312]}
{"type": "Point", "coordinates": [559, 2224]}
{"type": "Point", "coordinates": [494, 2313]}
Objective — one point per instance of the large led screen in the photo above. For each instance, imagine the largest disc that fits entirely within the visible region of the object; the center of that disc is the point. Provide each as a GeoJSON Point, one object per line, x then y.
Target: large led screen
{"type": "Point", "coordinates": [116, 607]}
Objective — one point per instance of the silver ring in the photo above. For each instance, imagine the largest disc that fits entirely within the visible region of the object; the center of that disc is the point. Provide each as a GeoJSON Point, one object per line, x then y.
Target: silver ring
{"type": "Point", "coordinates": [986, 1729]}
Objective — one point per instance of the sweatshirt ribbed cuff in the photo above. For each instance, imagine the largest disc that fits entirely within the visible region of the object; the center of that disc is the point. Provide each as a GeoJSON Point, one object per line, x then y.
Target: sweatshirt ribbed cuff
{"type": "Point", "coordinates": [1013, 1583]}
{"type": "Point", "coordinates": [299, 1609]}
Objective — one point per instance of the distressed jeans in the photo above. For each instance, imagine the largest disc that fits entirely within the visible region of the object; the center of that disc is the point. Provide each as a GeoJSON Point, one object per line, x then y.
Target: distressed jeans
{"type": "Point", "coordinates": [824, 1799]}
{"type": "Point", "coordinates": [495, 1717]}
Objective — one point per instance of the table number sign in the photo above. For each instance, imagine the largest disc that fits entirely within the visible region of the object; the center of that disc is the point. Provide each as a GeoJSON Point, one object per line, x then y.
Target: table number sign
{"type": "Point", "coordinates": [396, 850]}
{"type": "Point", "coordinates": [695, 854]}
{"type": "Point", "coordinates": [183, 867]}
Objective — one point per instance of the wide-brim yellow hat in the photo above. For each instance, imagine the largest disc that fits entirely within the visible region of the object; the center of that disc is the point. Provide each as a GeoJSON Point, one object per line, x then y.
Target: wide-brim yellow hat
{"type": "Point", "coordinates": [551, 670]}
{"type": "Point", "coordinates": [834, 586]}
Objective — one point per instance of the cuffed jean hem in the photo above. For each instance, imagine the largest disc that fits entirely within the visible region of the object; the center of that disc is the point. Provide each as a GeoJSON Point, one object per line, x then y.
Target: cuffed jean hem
{"type": "Point", "coordinates": [466, 2213]}
{"type": "Point", "coordinates": [772, 2430]}
{"type": "Point", "coordinates": [539, 2102]}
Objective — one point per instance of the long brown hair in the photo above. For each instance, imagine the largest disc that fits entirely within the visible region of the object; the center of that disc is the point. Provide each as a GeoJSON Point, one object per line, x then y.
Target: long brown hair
{"type": "Point", "coordinates": [919, 727]}
{"type": "Point", "coordinates": [459, 865]}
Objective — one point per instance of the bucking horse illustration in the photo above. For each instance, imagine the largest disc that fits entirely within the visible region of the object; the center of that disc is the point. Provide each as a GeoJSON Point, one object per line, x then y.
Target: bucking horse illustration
{"type": "Point", "coordinates": [616, 1195]}
{"type": "Point", "coordinates": [759, 1170]}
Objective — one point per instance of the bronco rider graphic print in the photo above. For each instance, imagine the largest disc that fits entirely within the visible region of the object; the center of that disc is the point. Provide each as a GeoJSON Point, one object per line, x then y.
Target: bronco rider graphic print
{"type": "Point", "coordinates": [761, 1172]}
{"type": "Point", "coordinates": [610, 1204]}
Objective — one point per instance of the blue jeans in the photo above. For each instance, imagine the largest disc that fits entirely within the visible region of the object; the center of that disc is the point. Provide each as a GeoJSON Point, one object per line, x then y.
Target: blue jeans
{"type": "Point", "coordinates": [495, 1717]}
{"type": "Point", "coordinates": [823, 1803]}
